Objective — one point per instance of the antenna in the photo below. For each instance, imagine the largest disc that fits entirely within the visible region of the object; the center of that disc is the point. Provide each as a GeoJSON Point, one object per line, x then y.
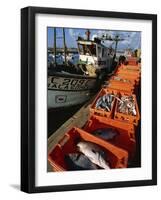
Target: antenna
{"type": "Point", "coordinates": [88, 34]}
{"type": "Point", "coordinates": [115, 39]}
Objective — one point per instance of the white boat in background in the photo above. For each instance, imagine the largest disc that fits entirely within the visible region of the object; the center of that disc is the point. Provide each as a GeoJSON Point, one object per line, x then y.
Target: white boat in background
{"type": "Point", "coordinates": [73, 82]}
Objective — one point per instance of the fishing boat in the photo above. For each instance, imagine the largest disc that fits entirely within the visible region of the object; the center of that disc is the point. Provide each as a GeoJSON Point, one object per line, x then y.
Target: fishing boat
{"type": "Point", "coordinates": [71, 84]}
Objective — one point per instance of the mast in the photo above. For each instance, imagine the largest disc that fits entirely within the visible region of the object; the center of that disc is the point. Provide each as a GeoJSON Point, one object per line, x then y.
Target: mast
{"type": "Point", "coordinates": [65, 53]}
{"type": "Point", "coordinates": [55, 45]}
{"type": "Point", "coordinates": [116, 40]}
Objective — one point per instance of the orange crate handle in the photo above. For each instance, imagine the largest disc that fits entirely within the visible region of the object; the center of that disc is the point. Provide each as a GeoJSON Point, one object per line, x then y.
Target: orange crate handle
{"type": "Point", "coordinates": [63, 140]}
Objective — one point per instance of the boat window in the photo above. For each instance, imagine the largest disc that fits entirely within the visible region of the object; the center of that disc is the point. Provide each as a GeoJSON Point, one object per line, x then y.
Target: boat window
{"type": "Point", "coordinates": [92, 49]}
{"type": "Point", "coordinates": [87, 49]}
{"type": "Point", "coordinates": [99, 52]}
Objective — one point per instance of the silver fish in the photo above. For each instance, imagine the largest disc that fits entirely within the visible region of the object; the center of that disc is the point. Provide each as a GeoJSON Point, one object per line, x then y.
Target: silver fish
{"type": "Point", "coordinates": [98, 102]}
{"type": "Point", "coordinates": [105, 102]}
{"type": "Point", "coordinates": [110, 98]}
{"type": "Point", "coordinates": [107, 108]}
{"type": "Point", "coordinates": [77, 161]}
{"type": "Point", "coordinates": [103, 105]}
{"type": "Point", "coordinates": [127, 105]}
{"type": "Point", "coordinates": [94, 153]}
{"type": "Point", "coordinates": [104, 98]}
{"type": "Point", "coordinates": [105, 133]}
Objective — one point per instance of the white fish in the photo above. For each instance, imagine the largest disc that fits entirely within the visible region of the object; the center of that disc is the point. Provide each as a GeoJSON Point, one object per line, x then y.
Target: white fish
{"type": "Point", "coordinates": [94, 153]}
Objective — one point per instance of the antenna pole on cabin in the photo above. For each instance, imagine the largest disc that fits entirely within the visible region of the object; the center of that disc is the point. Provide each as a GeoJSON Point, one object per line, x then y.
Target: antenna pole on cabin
{"type": "Point", "coordinates": [65, 53]}
{"type": "Point", "coordinates": [116, 40]}
{"type": "Point", "coordinates": [55, 45]}
{"type": "Point", "coordinates": [88, 34]}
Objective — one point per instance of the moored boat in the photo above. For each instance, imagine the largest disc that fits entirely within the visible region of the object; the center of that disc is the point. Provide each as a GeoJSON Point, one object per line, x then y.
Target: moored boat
{"type": "Point", "coordinates": [69, 89]}
{"type": "Point", "coordinates": [71, 83]}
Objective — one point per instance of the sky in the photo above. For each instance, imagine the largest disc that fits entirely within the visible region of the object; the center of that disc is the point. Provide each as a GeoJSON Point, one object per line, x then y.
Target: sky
{"type": "Point", "coordinates": [131, 39]}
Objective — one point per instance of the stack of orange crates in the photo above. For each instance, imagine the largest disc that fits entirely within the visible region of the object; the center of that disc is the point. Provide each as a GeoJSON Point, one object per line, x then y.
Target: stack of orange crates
{"type": "Point", "coordinates": [122, 147]}
{"type": "Point", "coordinates": [126, 79]}
{"type": "Point", "coordinates": [125, 82]}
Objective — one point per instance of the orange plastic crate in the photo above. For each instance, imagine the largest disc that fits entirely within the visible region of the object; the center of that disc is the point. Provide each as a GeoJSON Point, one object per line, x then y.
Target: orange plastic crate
{"type": "Point", "coordinates": [129, 72]}
{"type": "Point", "coordinates": [126, 133]}
{"type": "Point", "coordinates": [121, 86]}
{"type": "Point", "coordinates": [116, 78]}
{"type": "Point", "coordinates": [132, 61]}
{"type": "Point", "coordinates": [102, 112]}
{"type": "Point", "coordinates": [117, 157]}
{"type": "Point", "coordinates": [131, 67]}
{"type": "Point", "coordinates": [129, 77]}
{"type": "Point", "coordinates": [124, 117]}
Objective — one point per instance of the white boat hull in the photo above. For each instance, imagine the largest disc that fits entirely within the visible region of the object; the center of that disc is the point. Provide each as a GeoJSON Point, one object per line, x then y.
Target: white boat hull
{"type": "Point", "coordinates": [65, 91]}
{"type": "Point", "coordinates": [57, 99]}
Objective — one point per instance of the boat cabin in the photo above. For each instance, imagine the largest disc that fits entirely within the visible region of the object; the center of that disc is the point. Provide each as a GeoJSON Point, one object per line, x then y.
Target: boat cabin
{"type": "Point", "coordinates": [95, 53]}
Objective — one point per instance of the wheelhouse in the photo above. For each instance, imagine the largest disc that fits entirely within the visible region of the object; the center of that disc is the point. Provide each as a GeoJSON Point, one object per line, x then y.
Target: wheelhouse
{"type": "Point", "coordinates": [94, 52]}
